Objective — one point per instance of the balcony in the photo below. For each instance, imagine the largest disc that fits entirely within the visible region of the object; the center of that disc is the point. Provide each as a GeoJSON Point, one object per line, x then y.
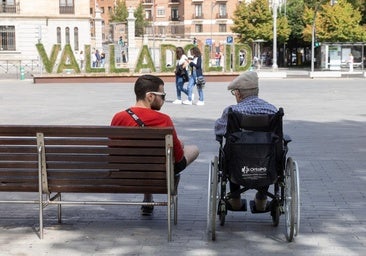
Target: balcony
{"type": "Point", "coordinates": [67, 10]}
{"type": "Point", "coordinates": [174, 18]}
{"type": "Point", "coordinates": [221, 16]}
{"type": "Point", "coordinates": [7, 8]}
{"type": "Point", "coordinates": [174, 2]}
{"type": "Point", "coordinates": [197, 16]}
{"type": "Point", "coordinates": [147, 2]}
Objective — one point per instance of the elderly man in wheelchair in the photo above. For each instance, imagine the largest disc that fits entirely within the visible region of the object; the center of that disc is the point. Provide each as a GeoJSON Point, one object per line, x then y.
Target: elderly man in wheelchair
{"type": "Point", "coordinates": [252, 155]}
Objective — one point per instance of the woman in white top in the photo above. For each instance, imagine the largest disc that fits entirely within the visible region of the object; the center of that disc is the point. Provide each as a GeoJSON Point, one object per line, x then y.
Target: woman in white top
{"type": "Point", "coordinates": [182, 61]}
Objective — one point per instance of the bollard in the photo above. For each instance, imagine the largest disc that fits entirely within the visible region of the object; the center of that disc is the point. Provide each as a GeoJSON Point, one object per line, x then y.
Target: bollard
{"type": "Point", "coordinates": [22, 74]}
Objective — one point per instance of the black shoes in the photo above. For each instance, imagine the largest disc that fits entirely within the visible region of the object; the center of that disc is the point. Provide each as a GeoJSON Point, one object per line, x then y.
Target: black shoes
{"type": "Point", "coordinates": [147, 210]}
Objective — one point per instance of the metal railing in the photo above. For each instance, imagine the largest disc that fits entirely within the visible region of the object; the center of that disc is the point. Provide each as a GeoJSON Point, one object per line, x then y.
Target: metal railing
{"type": "Point", "coordinates": [11, 68]}
{"type": "Point", "coordinates": [67, 10]}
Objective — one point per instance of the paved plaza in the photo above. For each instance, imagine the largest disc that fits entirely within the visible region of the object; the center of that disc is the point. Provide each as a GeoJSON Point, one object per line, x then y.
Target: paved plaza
{"type": "Point", "coordinates": [326, 119]}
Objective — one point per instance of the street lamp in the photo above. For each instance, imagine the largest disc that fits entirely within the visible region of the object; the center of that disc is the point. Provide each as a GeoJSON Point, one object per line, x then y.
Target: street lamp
{"type": "Point", "coordinates": [275, 4]}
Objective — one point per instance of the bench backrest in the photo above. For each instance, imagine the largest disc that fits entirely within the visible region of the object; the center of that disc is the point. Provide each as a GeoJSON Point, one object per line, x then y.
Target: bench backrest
{"type": "Point", "coordinates": [89, 159]}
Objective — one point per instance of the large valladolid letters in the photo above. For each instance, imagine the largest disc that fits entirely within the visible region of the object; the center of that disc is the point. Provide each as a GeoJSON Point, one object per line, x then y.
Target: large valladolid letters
{"type": "Point", "coordinates": [68, 60]}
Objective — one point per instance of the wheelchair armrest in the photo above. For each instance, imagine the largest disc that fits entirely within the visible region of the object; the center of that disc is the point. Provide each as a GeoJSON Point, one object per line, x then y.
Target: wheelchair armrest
{"type": "Point", "coordinates": [287, 139]}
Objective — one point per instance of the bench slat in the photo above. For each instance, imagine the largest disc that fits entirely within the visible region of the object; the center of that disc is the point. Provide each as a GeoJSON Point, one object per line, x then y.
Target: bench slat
{"type": "Point", "coordinates": [110, 189]}
{"type": "Point", "coordinates": [82, 131]}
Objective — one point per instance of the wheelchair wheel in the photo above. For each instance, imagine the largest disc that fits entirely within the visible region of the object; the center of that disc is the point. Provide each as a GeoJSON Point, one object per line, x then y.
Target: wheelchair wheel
{"type": "Point", "coordinates": [291, 202]}
{"type": "Point", "coordinates": [297, 188]}
{"type": "Point", "coordinates": [212, 198]}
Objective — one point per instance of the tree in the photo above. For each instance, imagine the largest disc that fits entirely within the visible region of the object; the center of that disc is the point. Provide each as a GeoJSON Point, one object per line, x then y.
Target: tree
{"type": "Point", "coordinates": [120, 13]}
{"type": "Point", "coordinates": [337, 23]}
{"type": "Point", "coordinates": [361, 6]}
{"type": "Point", "coordinates": [296, 22]}
{"type": "Point", "coordinates": [141, 23]}
{"type": "Point", "coordinates": [253, 21]}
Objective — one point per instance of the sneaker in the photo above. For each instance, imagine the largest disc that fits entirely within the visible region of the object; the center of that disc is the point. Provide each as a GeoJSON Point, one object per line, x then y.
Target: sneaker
{"type": "Point", "coordinates": [200, 103]}
{"type": "Point", "coordinates": [177, 101]}
{"type": "Point", "coordinates": [260, 202]}
{"type": "Point", "coordinates": [147, 210]}
{"type": "Point", "coordinates": [187, 102]}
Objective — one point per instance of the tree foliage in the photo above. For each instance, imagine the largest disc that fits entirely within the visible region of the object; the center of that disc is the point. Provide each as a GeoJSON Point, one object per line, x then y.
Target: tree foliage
{"type": "Point", "coordinates": [337, 23]}
{"type": "Point", "coordinates": [120, 12]}
{"type": "Point", "coordinates": [254, 21]}
{"type": "Point", "coordinates": [141, 23]}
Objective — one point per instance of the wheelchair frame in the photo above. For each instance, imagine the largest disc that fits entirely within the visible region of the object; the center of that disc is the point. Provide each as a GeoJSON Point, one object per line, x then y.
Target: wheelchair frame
{"type": "Point", "coordinates": [285, 198]}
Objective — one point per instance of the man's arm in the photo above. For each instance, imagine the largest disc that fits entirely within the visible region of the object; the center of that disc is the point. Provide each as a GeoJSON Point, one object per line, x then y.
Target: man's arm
{"type": "Point", "coordinates": [220, 124]}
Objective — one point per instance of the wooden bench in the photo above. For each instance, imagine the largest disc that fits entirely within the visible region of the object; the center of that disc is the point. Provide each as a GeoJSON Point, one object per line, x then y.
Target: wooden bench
{"type": "Point", "coordinates": [51, 160]}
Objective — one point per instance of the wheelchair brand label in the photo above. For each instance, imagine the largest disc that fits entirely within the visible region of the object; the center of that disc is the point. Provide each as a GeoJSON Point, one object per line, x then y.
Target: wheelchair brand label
{"type": "Point", "coordinates": [253, 171]}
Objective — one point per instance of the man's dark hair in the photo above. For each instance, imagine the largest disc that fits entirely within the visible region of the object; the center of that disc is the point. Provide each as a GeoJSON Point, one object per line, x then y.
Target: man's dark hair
{"type": "Point", "coordinates": [147, 83]}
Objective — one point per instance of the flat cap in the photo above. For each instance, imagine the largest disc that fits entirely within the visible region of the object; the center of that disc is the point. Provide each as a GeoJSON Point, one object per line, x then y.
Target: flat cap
{"type": "Point", "coordinates": [247, 80]}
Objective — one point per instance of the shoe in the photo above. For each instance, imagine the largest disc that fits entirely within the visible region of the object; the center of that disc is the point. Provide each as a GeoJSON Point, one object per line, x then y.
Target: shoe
{"type": "Point", "coordinates": [187, 102]}
{"type": "Point", "coordinates": [235, 204]}
{"type": "Point", "coordinates": [177, 101]}
{"type": "Point", "coordinates": [147, 210]}
{"type": "Point", "coordinates": [260, 202]}
{"type": "Point", "coordinates": [200, 103]}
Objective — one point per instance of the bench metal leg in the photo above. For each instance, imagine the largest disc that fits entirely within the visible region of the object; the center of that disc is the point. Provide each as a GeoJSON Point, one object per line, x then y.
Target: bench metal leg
{"type": "Point", "coordinates": [175, 209]}
{"type": "Point", "coordinates": [40, 216]}
{"type": "Point", "coordinates": [59, 210]}
{"type": "Point", "coordinates": [169, 218]}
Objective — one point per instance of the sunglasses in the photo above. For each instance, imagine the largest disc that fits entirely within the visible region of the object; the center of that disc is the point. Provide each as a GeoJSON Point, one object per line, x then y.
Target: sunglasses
{"type": "Point", "coordinates": [161, 94]}
{"type": "Point", "coordinates": [233, 91]}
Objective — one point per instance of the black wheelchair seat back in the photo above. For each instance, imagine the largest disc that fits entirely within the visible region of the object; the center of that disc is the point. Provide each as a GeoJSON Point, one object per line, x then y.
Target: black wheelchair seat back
{"type": "Point", "coordinates": [253, 150]}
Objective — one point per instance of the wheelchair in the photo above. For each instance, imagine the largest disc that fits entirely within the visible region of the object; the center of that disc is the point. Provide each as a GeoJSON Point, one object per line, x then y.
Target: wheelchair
{"type": "Point", "coordinates": [253, 154]}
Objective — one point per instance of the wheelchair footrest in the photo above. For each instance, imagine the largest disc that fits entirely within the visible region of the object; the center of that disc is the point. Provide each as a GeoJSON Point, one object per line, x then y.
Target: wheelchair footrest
{"type": "Point", "coordinates": [254, 210]}
{"type": "Point", "coordinates": [242, 209]}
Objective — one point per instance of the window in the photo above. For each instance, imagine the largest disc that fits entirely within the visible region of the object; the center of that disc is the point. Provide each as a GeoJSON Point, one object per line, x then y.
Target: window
{"type": "Point", "coordinates": [222, 27]}
{"type": "Point", "coordinates": [198, 11]}
{"type": "Point", "coordinates": [175, 14]}
{"type": "Point", "coordinates": [76, 39]}
{"type": "Point", "coordinates": [67, 35]}
{"type": "Point", "coordinates": [66, 6]}
{"type": "Point", "coordinates": [161, 30]}
{"type": "Point", "coordinates": [8, 6]}
{"type": "Point", "coordinates": [148, 15]}
{"type": "Point", "coordinates": [58, 35]}
{"type": "Point", "coordinates": [160, 12]}
{"type": "Point", "coordinates": [222, 11]}
{"type": "Point", "coordinates": [7, 38]}
{"type": "Point", "coordinates": [198, 28]}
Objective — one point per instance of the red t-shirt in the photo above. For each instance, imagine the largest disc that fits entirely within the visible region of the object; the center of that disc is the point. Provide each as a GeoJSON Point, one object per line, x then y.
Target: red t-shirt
{"type": "Point", "coordinates": [150, 118]}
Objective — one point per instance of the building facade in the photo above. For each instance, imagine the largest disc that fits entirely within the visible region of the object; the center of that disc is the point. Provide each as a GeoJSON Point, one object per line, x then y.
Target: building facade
{"type": "Point", "coordinates": [25, 23]}
{"type": "Point", "coordinates": [209, 21]}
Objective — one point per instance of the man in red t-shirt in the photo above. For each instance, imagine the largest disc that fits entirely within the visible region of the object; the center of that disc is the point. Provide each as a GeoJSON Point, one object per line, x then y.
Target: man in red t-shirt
{"type": "Point", "coordinates": [150, 96]}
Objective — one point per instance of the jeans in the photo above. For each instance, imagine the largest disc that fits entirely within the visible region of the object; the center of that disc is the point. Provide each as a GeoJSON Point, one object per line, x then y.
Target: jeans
{"type": "Point", "coordinates": [200, 93]}
{"type": "Point", "coordinates": [191, 83]}
{"type": "Point", "coordinates": [179, 83]}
